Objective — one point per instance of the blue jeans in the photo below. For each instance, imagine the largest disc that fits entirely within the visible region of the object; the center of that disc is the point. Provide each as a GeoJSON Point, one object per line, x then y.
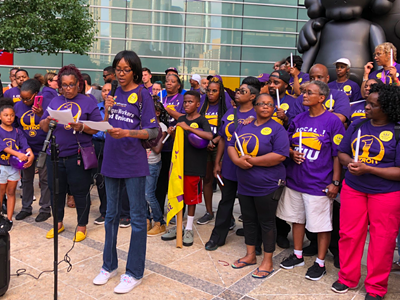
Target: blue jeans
{"type": "Point", "coordinates": [137, 249]}
{"type": "Point", "coordinates": [151, 185]}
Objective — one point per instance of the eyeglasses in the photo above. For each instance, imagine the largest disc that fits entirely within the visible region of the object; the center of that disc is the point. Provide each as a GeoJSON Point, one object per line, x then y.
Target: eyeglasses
{"type": "Point", "coordinates": [105, 76]}
{"type": "Point", "coordinates": [377, 54]}
{"type": "Point", "coordinates": [126, 71]}
{"type": "Point", "coordinates": [26, 100]}
{"type": "Point", "coordinates": [71, 86]}
{"type": "Point", "coordinates": [309, 92]}
{"type": "Point", "coordinates": [214, 91]}
{"type": "Point", "coordinates": [241, 91]}
{"type": "Point", "coordinates": [263, 104]}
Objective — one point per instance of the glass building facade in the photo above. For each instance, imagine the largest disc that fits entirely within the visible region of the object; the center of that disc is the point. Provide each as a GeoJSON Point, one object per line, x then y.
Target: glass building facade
{"type": "Point", "coordinates": [233, 38]}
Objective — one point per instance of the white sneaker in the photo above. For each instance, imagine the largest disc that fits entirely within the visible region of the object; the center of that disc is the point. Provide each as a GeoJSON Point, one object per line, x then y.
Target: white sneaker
{"type": "Point", "coordinates": [127, 284]}
{"type": "Point", "coordinates": [103, 277]}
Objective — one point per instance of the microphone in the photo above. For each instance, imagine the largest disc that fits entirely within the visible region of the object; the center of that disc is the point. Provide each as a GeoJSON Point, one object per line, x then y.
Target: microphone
{"type": "Point", "coordinates": [114, 85]}
{"type": "Point", "coordinates": [41, 161]}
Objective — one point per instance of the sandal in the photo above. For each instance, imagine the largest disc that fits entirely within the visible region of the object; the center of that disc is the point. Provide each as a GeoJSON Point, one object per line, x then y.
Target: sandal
{"type": "Point", "coordinates": [241, 262]}
{"type": "Point", "coordinates": [70, 201]}
{"type": "Point", "coordinates": [262, 276]}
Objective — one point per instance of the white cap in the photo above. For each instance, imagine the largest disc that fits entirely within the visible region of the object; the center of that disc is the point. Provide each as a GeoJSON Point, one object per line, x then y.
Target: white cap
{"type": "Point", "coordinates": [196, 77]}
{"type": "Point", "coordinates": [343, 61]}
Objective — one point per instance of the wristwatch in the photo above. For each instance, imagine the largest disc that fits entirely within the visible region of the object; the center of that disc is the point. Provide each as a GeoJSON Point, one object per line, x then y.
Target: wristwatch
{"type": "Point", "coordinates": [336, 183]}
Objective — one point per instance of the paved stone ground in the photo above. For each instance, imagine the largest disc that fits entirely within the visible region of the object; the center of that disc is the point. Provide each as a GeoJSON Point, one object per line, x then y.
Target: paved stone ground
{"type": "Point", "coordinates": [171, 273]}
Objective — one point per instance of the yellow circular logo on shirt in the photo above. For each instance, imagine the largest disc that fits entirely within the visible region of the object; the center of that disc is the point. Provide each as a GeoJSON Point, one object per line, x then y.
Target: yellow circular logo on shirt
{"type": "Point", "coordinates": [300, 80]}
{"type": "Point", "coordinates": [266, 131]}
{"type": "Point", "coordinates": [337, 139]}
{"type": "Point", "coordinates": [386, 136]}
{"type": "Point", "coordinates": [132, 98]}
{"type": "Point", "coordinates": [328, 103]}
{"type": "Point", "coordinates": [230, 117]}
{"type": "Point", "coordinates": [285, 106]}
{"type": "Point", "coordinates": [379, 75]}
{"type": "Point", "coordinates": [347, 88]}
{"type": "Point", "coordinates": [194, 125]}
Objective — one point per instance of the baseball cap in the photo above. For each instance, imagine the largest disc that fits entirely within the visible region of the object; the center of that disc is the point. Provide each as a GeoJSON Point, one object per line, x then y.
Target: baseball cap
{"type": "Point", "coordinates": [263, 77]}
{"type": "Point", "coordinates": [211, 76]}
{"type": "Point", "coordinates": [171, 69]}
{"type": "Point", "coordinates": [343, 61]}
{"type": "Point", "coordinates": [196, 77]}
{"type": "Point", "coordinates": [281, 74]}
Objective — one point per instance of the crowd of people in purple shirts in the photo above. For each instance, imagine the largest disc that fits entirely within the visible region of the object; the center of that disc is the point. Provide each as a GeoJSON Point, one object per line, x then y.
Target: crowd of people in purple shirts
{"type": "Point", "coordinates": [302, 153]}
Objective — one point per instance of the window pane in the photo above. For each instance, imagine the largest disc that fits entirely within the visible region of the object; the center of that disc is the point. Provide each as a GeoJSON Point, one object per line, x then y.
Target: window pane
{"type": "Point", "coordinates": [155, 18]}
{"type": "Point", "coordinates": [156, 48]}
{"type": "Point", "coordinates": [150, 32]}
{"type": "Point", "coordinates": [254, 69]}
{"type": "Point", "coordinates": [111, 30]}
{"type": "Point", "coordinates": [273, 25]}
{"type": "Point", "coordinates": [269, 39]}
{"type": "Point", "coordinates": [36, 59]}
{"type": "Point", "coordinates": [270, 12]}
{"type": "Point", "coordinates": [89, 61]}
{"type": "Point", "coordinates": [264, 54]}
{"type": "Point", "coordinates": [159, 65]}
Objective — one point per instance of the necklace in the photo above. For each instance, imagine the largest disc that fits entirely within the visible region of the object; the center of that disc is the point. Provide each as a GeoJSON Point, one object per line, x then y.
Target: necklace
{"type": "Point", "coordinates": [340, 88]}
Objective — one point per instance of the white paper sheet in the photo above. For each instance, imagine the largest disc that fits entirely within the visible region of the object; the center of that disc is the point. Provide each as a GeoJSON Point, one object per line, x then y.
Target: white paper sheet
{"type": "Point", "coordinates": [62, 116]}
{"type": "Point", "coordinates": [101, 126]}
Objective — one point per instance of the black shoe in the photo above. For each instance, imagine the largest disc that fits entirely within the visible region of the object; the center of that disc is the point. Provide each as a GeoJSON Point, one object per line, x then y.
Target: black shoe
{"type": "Point", "coordinates": [4, 209]}
{"type": "Point", "coordinates": [211, 245]}
{"type": "Point", "coordinates": [310, 250]}
{"type": "Point", "coordinates": [315, 272]}
{"type": "Point", "coordinates": [336, 261]}
{"type": "Point", "coordinates": [240, 219]}
{"type": "Point", "coordinates": [291, 262]}
{"type": "Point", "coordinates": [41, 217]}
{"type": "Point", "coordinates": [258, 250]}
{"type": "Point", "coordinates": [339, 287]}
{"type": "Point", "coordinates": [240, 232]}
{"type": "Point", "coordinates": [100, 220]}
{"type": "Point", "coordinates": [123, 223]}
{"type": "Point", "coordinates": [6, 225]}
{"type": "Point", "coordinates": [233, 224]}
{"type": "Point", "coordinates": [22, 215]}
{"type": "Point", "coordinates": [370, 296]}
{"type": "Point", "coordinates": [282, 241]}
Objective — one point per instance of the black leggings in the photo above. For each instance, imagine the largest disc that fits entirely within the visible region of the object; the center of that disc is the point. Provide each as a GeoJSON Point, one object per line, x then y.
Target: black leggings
{"type": "Point", "coordinates": [259, 210]}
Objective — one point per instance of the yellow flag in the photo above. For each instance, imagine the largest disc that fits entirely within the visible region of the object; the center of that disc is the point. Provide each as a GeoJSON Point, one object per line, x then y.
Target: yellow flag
{"type": "Point", "coordinates": [175, 186]}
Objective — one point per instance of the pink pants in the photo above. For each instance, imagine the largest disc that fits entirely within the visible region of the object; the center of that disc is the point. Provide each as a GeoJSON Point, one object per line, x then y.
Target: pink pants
{"type": "Point", "coordinates": [382, 212]}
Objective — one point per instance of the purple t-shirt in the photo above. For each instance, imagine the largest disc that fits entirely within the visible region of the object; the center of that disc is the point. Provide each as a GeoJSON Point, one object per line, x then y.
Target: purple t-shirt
{"type": "Point", "coordinates": [321, 137]}
{"type": "Point", "coordinates": [226, 130]}
{"type": "Point", "coordinates": [349, 87]}
{"type": "Point", "coordinates": [11, 139]}
{"type": "Point", "coordinates": [28, 122]}
{"type": "Point", "coordinates": [48, 93]}
{"type": "Point", "coordinates": [378, 148]}
{"type": "Point", "coordinates": [257, 141]}
{"type": "Point", "coordinates": [288, 104]}
{"type": "Point", "coordinates": [340, 103]}
{"type": "Point", "coordinates": [150, 89]}
{"type": "Point", "coordinates": [383, 75]}
{"type": "Point", "coordinates": [126, 157]}
{"type": "Point", "coordinates": [193, 89]}
{"type": "Point", "coordinates": [227, 101]}
{"type": "Point", "coordinates": [303, 77]}
{"type": "Point", "coordinates": [175, 103]}
{"type": "Point", "coordinates": [357, 111]}
{"type": "Point", "coordinates": [13, 93]}
{"type": "Point", "coordinates": [81, 106]}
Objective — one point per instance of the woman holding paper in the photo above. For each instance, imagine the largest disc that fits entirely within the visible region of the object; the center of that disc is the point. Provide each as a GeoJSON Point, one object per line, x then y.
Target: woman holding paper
{"type": "Point", "coordinates": [370, 193]}
{"type": "Point", "coordinates": [71, 167]}
{"type": "Point", "coordinates": [260, 172]}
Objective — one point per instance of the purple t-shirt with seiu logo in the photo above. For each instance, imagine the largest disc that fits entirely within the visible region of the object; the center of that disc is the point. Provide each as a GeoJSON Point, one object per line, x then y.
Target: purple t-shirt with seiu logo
{"type": "Point", "coordinates": [126, 157]}
{"type": "Point", "coordinates": [13, 139]}
{"type": "Point", "coordinates": [357, 111]}
{"type": "Point", "coordinates": [81, 106]}
{"type": "Point", "coordinates": [378, 148]}
{"type": "Point", "coordinates": [349, 87]}
{"type": "Point", "coordinates": [258, 141]}
{"type": "Point", "coordinates": [321, 137]}
{"type": "Point", "coordinates": [226, 130]}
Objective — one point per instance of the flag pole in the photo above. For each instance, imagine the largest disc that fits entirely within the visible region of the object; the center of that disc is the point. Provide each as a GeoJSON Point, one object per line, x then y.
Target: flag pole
{"type": "Point", "coordinates": [179, 229]}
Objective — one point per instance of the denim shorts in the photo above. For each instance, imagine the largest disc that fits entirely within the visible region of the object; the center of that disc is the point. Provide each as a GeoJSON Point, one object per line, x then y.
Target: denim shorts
{"type": "Point", "coordinates": [8, 173]}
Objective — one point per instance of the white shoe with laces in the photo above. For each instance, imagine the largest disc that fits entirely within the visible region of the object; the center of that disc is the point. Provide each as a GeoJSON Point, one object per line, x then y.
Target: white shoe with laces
{"type": "Point", "coordinates": [127, 284]}
{"type": "Point", "coordinates": [104, 276]}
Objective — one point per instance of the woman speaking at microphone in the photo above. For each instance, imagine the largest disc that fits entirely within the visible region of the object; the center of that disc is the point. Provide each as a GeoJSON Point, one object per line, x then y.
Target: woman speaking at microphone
{"type": "Point", "coordinates": [132, 115]}
{"type": "Point", "coordinates": [70, 166]}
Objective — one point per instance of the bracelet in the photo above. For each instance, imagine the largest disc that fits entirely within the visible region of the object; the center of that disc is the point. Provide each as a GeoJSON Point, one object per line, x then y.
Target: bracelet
{"type": "Point", "coordinates": [83, 126]}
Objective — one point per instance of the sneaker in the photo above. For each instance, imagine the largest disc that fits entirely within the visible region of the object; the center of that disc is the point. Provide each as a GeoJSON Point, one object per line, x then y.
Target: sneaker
{"type": "Point", "coordinates": [100, 220]}
{"type": "Point", "coordinates": [123, 223]}
{"type": "Point", "coordinates": [371, 296]}
{"type": "Point", "coordinates": [240, 219]}
{"type": "Point", "coordinates": [339, 287]}
{"type": "Point", "coordinates": [41, 217]}
{"type": "Point", "coordinates": [233, 224]}
{"type": "Point", "coordinates": [395, 266]}
{"type": "Point", "coordinates": [22, 215]}
{"type": "Point", "coordinates": [188, 238]}
{"type": "Point", "coordinates": [104, 276]}
{"type": "Point", "coordinates": [148, 225]}
{"type": "Point", "coordinates": [315, 272]}
{"type": "Point", "coordinates": [157, 229]}
{"type": "Point", "coordinates": [127, 284]}
{"type": "Point", "coordinates": [205, 219]}
{"type": "Point", "coordinates": [291, 262]}
{"type": "Point", "coordinates": [170, 235]}
{"type": "Point", "coordinates": [6, 225]}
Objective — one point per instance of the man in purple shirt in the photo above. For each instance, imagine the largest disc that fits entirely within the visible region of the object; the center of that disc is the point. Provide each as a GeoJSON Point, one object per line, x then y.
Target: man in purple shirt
{"type": "Point", "coordinates": [195, 82]}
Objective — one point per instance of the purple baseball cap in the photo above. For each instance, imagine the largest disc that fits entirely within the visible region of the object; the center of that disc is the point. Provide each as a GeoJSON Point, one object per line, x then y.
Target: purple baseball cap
{"type": "Point", "coordinates": [263, 77]}
{"type": "Point", "coordinates": [211, 76]}
{"type": "Point", "coordinates": [171, 69]}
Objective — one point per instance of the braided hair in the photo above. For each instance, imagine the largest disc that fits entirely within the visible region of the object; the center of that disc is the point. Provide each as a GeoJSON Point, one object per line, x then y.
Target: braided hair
{"type": "Point", "coordinates": [389, 99]}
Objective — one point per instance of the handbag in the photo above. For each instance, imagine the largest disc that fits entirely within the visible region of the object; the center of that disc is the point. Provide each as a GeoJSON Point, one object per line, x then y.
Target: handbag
{"type": "Point", "coordinates": [88, 155]}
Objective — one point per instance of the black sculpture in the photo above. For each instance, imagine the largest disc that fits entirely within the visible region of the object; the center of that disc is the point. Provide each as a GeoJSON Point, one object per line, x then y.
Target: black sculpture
{"type": "Point", "coordinates": [336, 29]}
